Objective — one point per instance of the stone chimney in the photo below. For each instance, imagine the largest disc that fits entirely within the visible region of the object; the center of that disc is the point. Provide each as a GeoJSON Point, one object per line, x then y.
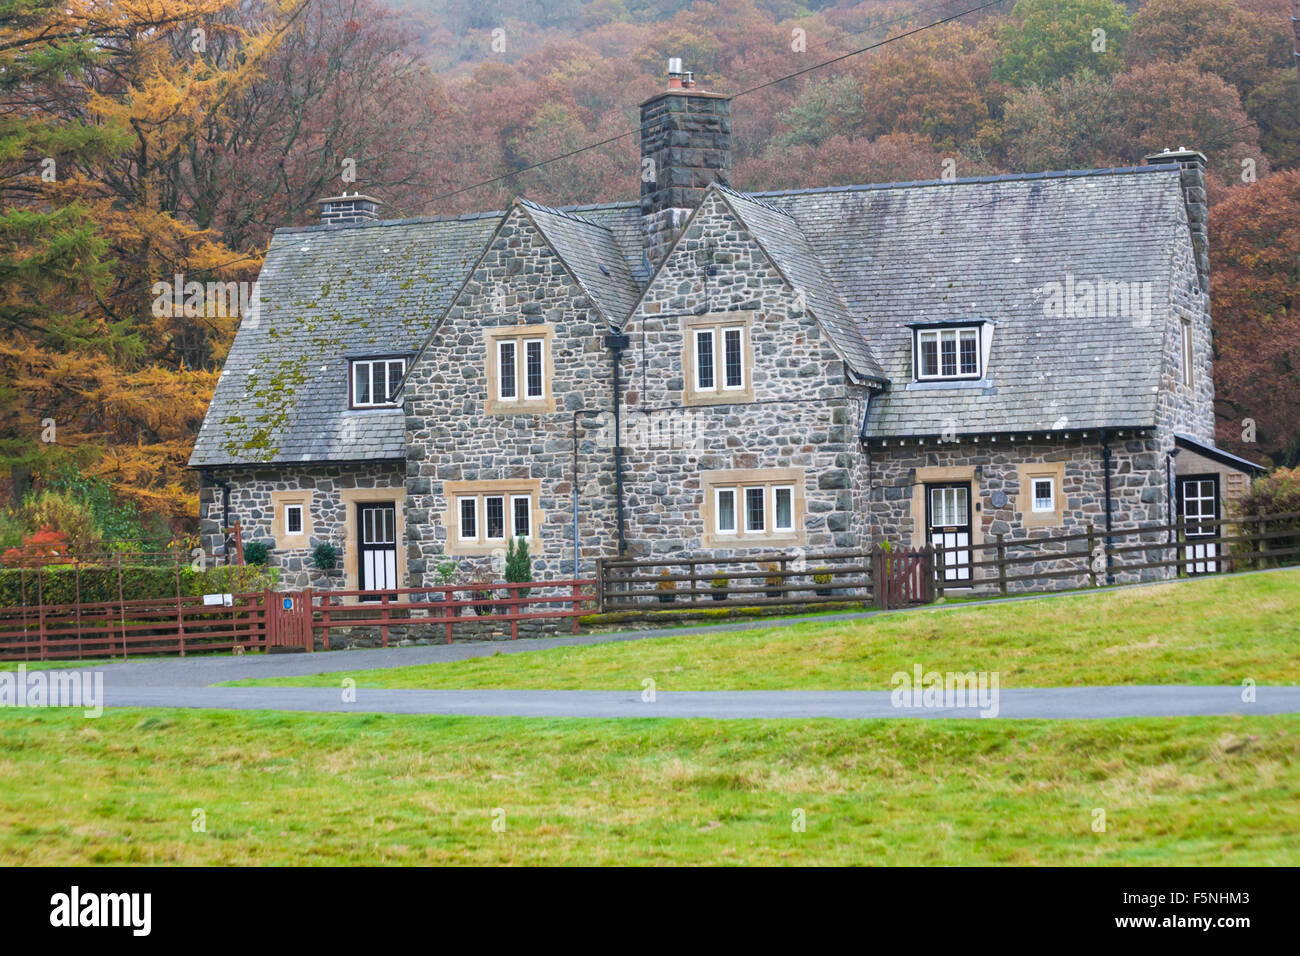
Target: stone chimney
{"type": "Point", "coordinates": [1192, 171]}
{"type": "Point", "coordinates": [344, 209]}
{"type": "Point", "coordinates": [685, 146]}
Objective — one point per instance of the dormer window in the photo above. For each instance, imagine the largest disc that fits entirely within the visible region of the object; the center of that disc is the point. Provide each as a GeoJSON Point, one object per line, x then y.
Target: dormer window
{"type": "Point", "coordinates": [374, 380]}
{"type": "Point", "coordinates": [948, 352]}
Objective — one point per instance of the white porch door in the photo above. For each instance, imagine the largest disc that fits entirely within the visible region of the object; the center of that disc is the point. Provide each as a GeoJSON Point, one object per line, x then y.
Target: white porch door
{"type": "Point", "coordinates": [1198, 500]}
{"type": "Point", "coordinates": [948, 516]}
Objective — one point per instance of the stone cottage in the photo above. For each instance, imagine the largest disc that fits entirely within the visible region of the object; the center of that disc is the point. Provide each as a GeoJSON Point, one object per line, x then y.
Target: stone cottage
{"type": "Point", "coordinates": [713, 372]}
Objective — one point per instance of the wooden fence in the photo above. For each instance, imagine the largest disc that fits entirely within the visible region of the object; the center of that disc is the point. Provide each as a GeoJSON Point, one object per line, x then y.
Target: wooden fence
{"type": "Point", "coordinates": [167, 625]}
{"type": "Point", "coordinates": [439, 610]}
{"type": "Point", "coordinates": [1093, 557]}
{"type": "Point", "coordinates": [780, 578]}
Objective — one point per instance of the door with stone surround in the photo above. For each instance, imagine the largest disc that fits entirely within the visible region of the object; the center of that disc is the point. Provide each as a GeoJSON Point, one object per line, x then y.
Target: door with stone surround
{"type": "Point", "coordinates": [377, 546]}
{"type": "Point", "coordinates": [948, 524]}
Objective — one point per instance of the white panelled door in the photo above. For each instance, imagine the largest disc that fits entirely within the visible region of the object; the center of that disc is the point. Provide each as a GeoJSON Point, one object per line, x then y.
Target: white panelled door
{"type": "Point", "coordinates": [1198, 503]}
{"type": "Point", "coordinates": [949, 524]}
{"type": "Point", "coordinates": [378, 546]}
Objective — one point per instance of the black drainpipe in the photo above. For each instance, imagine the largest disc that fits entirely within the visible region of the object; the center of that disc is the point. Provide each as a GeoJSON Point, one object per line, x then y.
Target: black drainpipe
{"type": "Point", "coordinates": [212, 479]}
{"type": "Point", "coordinates": [616, 342]}
{"type": "Point", "coordinates": [1105, 460]}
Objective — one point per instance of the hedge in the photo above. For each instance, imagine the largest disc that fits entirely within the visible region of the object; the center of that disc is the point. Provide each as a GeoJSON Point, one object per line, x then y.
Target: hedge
{"type": "Point", "coordinates": [59, 583]}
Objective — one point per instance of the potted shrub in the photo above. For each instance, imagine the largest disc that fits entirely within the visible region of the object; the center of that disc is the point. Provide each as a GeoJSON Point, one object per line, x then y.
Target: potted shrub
{"type": "Point", "coordinates": [482, 592]}
{"type": "Point", "coordinates": [325, 557]}
{"type": "Point", "coordinates": [773, 580]}
{"type": "Point", "coordinates": [256, 552]}
{"type": "Point", "coordinates": [822, 579]}
{"type": "Point", "coordinates": [667, 589]}
{"type": "Point", "coordinates": [720, 585]}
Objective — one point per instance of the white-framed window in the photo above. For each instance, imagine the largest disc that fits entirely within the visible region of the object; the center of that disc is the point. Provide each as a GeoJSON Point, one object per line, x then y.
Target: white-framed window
{"type": "Point", "coordinates": [750, 510]}
{"type": "Point", "coordinates": [374, 381]}
{"type": "Point", "coordinates": [494, 517]}
{"type": "Point", "coordinates": [704, 364]}
{"type": "Point", "coordinates": [755, 510]}
{"type": "Point", "coordinates": [1187, 353]}
{"type": "Point", "coordinates": [467, 512]}
{"type": "Point", "coordinates": [725, 510]}
{"type": "Point", "coordinates": [1044, 494]}
{"type": "Point", "coordinates": [783, 508]}
{"type": "Point", "coordinates": [521, 511]}
{"type": "Point", "coordinates": [521, 369]}
{"type": "Point", "coordinates": [947, 353]}
{"type": "Point", "coordinates": [293, 522]}
{"type": "Point", "coordinates": [500, 513]}
{"type": "Point", "coordinates": [718, 363]}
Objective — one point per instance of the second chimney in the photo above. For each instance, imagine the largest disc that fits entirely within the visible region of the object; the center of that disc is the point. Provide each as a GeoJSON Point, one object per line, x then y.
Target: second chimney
{"type": "Point", "coordinates": [345, 210]}
{"type": "Point", "coordinates": [685, 146]}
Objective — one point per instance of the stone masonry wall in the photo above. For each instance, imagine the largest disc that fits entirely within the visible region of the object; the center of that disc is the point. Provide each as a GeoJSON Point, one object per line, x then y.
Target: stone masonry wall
{"type": "Point", "coordinates": [1137, 496]}
{"type": "Point", "coordinates": [250, 505]}
{"type": "Point", "coordinates": [519, 282]}
{"type": "Point", "coordinates": [803, 414]}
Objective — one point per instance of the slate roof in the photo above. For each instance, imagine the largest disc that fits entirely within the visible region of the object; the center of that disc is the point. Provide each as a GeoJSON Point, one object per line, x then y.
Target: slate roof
{"type": "Point", "coordinates": [985, 249]}
{"type": "Point", "coordinates": [781, 238]}
{"type": "Point", "coordinates": [593, 257]}
{"type": "Point", "coordinates": [870, 260]}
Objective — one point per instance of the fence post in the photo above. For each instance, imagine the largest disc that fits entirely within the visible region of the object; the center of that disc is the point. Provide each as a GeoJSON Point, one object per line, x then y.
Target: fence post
{"type": "Point", "coordinates": [927, 574]}
{"type": "Point", "coordinates": [577, 604]}
{"type": "Point", "coordinates": [383, 621]}
{"type": "Point", "coordinates": [940, 569]}
{"type": "Point", "coordinates": [1092, 551]}
{"type": "Point", "coordinates": [879, 578]}
{"type": "Point", "coordinates": [1181, 536]}
{"type": "Point", "coordinates": [694, 582]}
{"type": "Point", "coordinates": [121, 604]}
{"type": "Point", "coordinates": [448, 595]}
{"type": "Point", "coordinates": [600, 585]}
{"type": "Point", "coordinates": [310, 614]}
{"type": "Point", "coordinates": [180, 612]}
{"type": "Point", "coordinates": [40, 606]}
{"type": "Point", "coordinates": [1002, 565]}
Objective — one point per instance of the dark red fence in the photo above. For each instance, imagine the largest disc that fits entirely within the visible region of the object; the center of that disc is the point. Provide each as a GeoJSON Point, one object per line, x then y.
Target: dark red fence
{"type": "Point", "coordinates": [168, 625]}
{"type": "Point", "coordinates": [441, 609]}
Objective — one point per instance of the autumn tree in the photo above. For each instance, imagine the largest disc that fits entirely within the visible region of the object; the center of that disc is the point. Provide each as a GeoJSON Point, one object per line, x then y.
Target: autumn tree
{"type": "Point", "coordinates": [1255, 265]}
{"type": "Point", "coordinates": [1045, 40]}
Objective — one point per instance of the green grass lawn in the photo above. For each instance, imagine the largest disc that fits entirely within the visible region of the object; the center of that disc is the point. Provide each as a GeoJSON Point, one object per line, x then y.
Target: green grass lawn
{"type": "Point", "coordinates": [345, 789]}
{"type": "Point", "coordinates": [1212, 631]}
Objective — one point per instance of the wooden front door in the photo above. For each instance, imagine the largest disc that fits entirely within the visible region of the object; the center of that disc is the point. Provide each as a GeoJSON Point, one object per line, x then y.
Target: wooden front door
{"type": "Point", "coordinates": [1198, 503]}
{"type": "Point", "coordinates": [948, 523]}
{"type": "Point", "coordinates": [377, 549]}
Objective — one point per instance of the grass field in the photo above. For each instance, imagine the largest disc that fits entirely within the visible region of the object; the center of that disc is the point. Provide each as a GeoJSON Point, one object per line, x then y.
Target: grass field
{"type": "Point", "coordinates": [1211, 631]}
{"type": "Point", "coordinates": [346, 789]}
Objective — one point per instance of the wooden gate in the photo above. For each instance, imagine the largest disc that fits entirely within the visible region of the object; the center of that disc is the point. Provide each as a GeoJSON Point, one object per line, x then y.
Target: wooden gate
{"type": "Point", "coordinates": [288, 620]}
{"type": "Point", "coordinates": [901, 577]}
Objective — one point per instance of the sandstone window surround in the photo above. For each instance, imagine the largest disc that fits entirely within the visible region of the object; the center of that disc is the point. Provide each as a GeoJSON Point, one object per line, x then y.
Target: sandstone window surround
{"type": "Point", "coordinates": [373, 381]}
{"type": "Point", "coordinates": [753, 507]}
{"type": "Point", "coordinates": [482, 516]}
{"type": "Point", "coordinates": [1039, 510]}
{"type": "Point", "coordinates": [291, 519]}
{"type": "Point", "coordinates": [1188, 353]}
{"type": "Point", "coordinates": [519, 369]}
{"type": "Point", "coordinates": [718, 358]}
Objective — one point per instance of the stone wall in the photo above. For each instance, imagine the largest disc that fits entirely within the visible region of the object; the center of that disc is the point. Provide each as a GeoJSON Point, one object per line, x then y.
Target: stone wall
{"type": "Point", "coordinates": [519, 282]}
{"type": "Point", "coordinates": [803, 414]}
{"type": "Point", "coordinates": [251, 505]}
{"type": "Point", "coordinates": [898, 471]}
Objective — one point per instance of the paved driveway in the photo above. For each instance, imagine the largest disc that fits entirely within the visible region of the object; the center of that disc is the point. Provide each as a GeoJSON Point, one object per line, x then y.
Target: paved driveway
{"type": "Point", "coordinates": [1055, 702]}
